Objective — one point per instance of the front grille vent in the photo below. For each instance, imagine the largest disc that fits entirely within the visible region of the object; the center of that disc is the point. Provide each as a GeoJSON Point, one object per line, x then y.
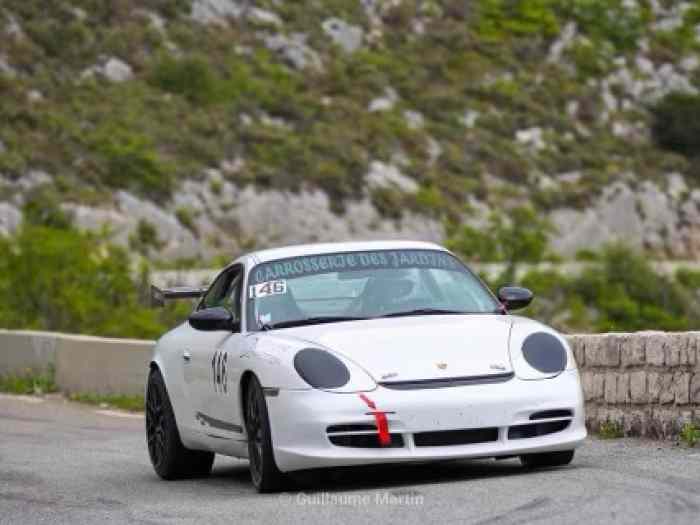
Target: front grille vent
{"type": "Point", "coordinates": [364, 440]}
{"type": "Point", "coordinates": [351, 428]}
{"type": "Point", "coordinates": [551, 414]}
{"type": "Point", "coordinates": [446, 438]}
{"type": "Point", "coordinates": [537, 429]}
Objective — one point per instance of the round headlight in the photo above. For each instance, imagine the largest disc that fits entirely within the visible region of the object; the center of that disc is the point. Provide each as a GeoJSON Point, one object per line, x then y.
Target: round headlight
{"type": "Point", "coordinates": [321, 369]}
{"type": "Point", "coordinates": [544, 352]}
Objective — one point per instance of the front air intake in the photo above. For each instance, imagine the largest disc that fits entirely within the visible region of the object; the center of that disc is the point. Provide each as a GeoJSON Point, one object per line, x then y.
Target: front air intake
{"type": "Point", "coordinates": [537, 429]}
{"type": "Point", "coordinates": [551, 414]}
{"type": "Point", "coordinates": [364, 440]}
{"type": "Point", "coordinates": [446, 438]}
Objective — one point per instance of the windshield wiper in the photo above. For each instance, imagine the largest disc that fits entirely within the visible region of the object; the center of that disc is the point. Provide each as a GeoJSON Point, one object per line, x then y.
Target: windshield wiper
{"type": "Point", "coordinates": [427, 311]}
{"type": "Point", "coordinates": [311, 320]}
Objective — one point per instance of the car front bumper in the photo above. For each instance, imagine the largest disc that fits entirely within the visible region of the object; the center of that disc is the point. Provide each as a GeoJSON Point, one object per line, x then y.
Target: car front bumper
{"type": "Point", "coordinates": [300, 419]}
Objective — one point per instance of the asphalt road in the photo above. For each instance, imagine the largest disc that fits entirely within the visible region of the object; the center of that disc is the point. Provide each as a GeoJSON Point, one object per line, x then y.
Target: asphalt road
{"type": "Point", "coordinates": [67, 463]}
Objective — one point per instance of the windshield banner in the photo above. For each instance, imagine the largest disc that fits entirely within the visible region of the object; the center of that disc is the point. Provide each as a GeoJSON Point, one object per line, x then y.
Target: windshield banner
{"type": "Point", "coordinates": [353, 261]}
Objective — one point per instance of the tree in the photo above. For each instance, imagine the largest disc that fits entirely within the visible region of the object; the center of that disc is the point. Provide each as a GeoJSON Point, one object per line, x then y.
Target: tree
{"type": "Point", "coordinates": [60, 279]}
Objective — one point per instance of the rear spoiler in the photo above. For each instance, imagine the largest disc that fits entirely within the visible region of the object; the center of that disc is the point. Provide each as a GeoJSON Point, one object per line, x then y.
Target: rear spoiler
{"type": "Point", "coordinates": [158, 296]}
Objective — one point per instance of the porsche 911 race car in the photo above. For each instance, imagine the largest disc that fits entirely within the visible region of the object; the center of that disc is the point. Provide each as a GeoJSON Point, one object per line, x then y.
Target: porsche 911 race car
{"type": "Point", "coordinates": [352, 354]}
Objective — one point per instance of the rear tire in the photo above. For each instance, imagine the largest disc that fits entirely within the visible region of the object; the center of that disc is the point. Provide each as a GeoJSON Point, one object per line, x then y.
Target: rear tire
{"type": "Point", "coordinates": [547, 459]}
{"type": "Point", "coordinates": [169, 457]}
{"type": "Point", "coordinates": [265, 475]}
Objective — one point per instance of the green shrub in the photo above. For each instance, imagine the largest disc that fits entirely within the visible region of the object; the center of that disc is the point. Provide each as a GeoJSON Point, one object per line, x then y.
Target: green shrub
{"type": "Point", "coordinates": [145, 238]}
{"type": "Point", "coordinates": [610, 430]}
{"type": "Point", "coordinates": [389, 202]}
{"type": "Point", "coordinates": [62, 280]}
{"type": "Point", "coordinates": [522, 238]}
{"type": "Point", "coordinates": [676, 124]}
{"type": "Point", "coordinates": [187, 219]}
{"type": "Point", "coordinates": [690, 434]}
{"type": "Point", "coordinates": [191, 77]}
{"type": "Point", "coordinates": [608, 21]}
{"type": "Point", "coordinates": [630, 295]}
{"type": "Point", "coordinates": [688, 278]}
{"type": "Point", "coordinates": [498, 19]}
{"type": "Point", "coordinates": [42, 207]}
{"type": "Point", "coordinates": [30, 382]}
{"type": "Point", "coordinates": [129, 159]}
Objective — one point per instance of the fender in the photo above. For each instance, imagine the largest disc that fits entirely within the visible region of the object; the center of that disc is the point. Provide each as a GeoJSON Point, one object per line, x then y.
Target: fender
{"type": "Point", "coordinates": [166, 358]}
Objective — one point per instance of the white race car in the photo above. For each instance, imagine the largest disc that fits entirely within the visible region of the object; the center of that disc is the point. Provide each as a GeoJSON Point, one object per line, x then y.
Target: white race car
{"type": "Point", "coordinates": [352, 354]}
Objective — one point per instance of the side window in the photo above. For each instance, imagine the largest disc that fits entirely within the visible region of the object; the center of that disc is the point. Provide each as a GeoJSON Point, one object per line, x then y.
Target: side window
{"type": "Point", "coordinates": [220, 292]}
{"type": "Point", "coordinates": [232, 299]}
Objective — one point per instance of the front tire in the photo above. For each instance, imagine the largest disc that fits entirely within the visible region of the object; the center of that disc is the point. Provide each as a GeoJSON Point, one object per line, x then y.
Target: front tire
{"type": "Point", "coordinates": [547, 459]}
{"type": "Point", "coordinates": [169, 457]}
{"type": "Point", "coordinates": [265, 475]}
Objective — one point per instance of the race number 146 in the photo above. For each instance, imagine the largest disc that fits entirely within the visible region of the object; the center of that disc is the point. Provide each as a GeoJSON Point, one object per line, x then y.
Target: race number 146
{"type": "Point", "coordinates": [268, 288]}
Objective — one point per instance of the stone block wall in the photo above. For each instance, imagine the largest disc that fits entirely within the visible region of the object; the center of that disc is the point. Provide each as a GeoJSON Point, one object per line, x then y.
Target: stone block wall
{"type": "Point", "coordinates": [648, 382]}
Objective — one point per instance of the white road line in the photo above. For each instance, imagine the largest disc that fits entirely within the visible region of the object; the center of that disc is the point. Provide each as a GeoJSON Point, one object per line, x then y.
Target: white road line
{"type": "Point", "coordinates": [26, 399]}
{"type": "Point", "coordinates": [115, 413]}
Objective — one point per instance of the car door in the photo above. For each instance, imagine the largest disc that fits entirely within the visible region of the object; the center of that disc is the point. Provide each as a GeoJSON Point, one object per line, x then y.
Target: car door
{"type": "Point", "coordinates": [227, 367]}
{"type": "Point", "coordinates": [208, 358]}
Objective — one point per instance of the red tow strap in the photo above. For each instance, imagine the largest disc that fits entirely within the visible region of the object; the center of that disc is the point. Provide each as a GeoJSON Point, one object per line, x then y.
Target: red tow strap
{"type": "Point", "coordinates": [380, 418]}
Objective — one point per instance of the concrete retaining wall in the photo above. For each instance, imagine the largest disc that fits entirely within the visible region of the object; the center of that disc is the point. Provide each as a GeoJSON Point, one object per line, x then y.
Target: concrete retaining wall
{"type": "Point", "coordinates": [648, 382]}
{"type": "Point", "coordinates": [81, 363]}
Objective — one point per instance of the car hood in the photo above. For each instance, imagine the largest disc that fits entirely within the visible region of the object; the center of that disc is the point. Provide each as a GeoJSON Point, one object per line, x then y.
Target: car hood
{"type": "Point", "coordinates": [417, 348]}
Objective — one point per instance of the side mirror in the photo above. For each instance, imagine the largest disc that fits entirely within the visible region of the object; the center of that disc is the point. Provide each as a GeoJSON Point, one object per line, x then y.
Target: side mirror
{"type": "Point", "coordinates": [514, 297]}
{"type": "Point", "coordinates": [213, 319]}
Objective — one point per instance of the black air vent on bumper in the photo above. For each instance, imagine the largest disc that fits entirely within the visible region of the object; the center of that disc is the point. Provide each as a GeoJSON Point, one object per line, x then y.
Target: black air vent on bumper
{"type": "Point", "coordinates": [445, 438]}
{"type": "Point", "coordinates": [551, 414]}
{"type": "Point", "coordinates": [365, 440]}
{"type": "Point", "coordinates": [359, 427]}
{"type": "Point", "coordinates": [536, 429]}
{"type": "Point", "coordinates": [447, 382]}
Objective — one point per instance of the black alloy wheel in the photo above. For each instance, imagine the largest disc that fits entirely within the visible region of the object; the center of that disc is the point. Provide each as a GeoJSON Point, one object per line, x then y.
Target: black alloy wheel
{"type": "Point", "coordinates": [263, 470]}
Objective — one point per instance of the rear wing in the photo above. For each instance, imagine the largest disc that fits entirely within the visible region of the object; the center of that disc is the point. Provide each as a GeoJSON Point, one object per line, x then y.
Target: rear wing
{"type": "Point", "coordinates": [159, 296]}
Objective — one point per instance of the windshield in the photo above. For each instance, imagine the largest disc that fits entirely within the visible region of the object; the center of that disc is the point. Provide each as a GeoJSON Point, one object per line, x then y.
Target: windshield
{"type": "Point", "coordinates": [362, 285]}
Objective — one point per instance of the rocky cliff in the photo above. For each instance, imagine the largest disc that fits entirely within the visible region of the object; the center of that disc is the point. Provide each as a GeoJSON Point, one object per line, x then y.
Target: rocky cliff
{"type": "Point", "coordinates": [193, 128]}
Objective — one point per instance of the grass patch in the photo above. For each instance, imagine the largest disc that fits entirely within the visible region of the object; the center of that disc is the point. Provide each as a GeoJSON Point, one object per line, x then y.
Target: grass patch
{"type": "Point", "coordinates": [28, 383]}
{"type": "Point", "coordinates": [610, 430]}
{"type": "Point", "coordinates": [120, 401]}
{"type": "Point", "coordinates": [690, 434]}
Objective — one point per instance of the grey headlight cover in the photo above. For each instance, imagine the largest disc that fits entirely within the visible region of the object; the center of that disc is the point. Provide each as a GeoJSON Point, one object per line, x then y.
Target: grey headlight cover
{"type": "Point", "coordinates": [321, 369]}
{"type": "Point", "coordinates": [544, 352]}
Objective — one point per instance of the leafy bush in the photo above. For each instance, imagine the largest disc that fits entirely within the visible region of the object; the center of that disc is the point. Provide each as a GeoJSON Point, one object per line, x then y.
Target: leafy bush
{"type": "Point", "coordinates": [498, 19]}
{"type": "Point", "coordinates": [145, 238]}
{"type": "Point", "coordinates": [130, 160]}
{"type": "Point", "coordinates": [676, 124]}
{"type": "Point", "coordinates": [630, 296]}
{"type": "Point", "coordinates": [690, 434]}
{"type": "Point", "coordinates": [30, 382]}
{"type": "Point", "coordinates": [42, 207]}
{"type": "Point", "coordinates": [186, 218]}
{"type": "Point", "coordinates": [191, 77]}
{"type": "Point", "coordinates": [608, 21]}
{"type": "Point", "coordinates": [522, 237]}
{"type": "Point", "coordinates": [619, 291]}
{"type": "Point", "coordinates": [610, 430]}
{"type": "Point", "coordinates": [62, 280]}
{"type": "Point", "coordinates": [389, 202]}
